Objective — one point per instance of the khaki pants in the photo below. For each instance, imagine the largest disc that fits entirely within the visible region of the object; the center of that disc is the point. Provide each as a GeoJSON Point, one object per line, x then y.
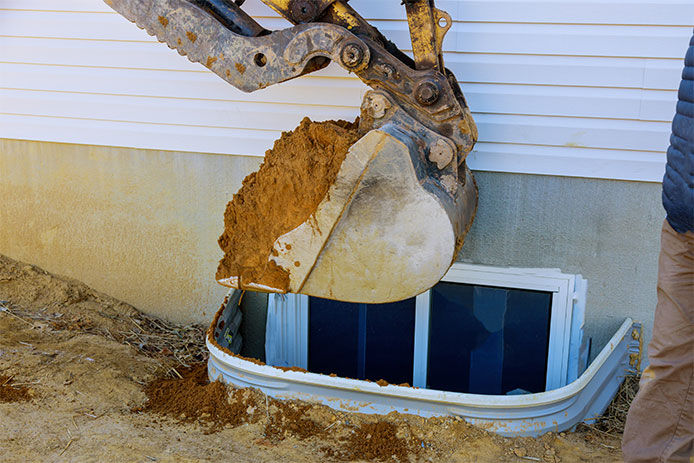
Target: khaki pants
{"type": "Point", "coordinates": [660, 424]}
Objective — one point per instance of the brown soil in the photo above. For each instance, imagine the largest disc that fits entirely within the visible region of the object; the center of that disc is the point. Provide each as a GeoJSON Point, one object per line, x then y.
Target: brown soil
{"type": "Point", "coordinates": [13, 393]}
{"type": "Point", "coordinates": [378, 441]}
{"type": "Point", "coordinates": [290, 418]}
{"type": "Point", "coordinates": [194, 398]}
{"type": "Point", "coordinates": [115, 389]}
{"type": "Point", "coordinates": [290, 184]}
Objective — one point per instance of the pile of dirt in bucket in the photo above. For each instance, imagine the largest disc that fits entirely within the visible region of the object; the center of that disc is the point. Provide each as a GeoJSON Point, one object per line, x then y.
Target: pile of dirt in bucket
{"type": "Point", "coordinates": [290, 184]}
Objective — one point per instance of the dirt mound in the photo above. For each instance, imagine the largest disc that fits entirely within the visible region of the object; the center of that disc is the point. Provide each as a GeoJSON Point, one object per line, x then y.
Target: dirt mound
{"type": "Point", "coordinates": [194, 398]}
{"type": "Point", "coordinates": [293, 179]}
{"type": "Point", "coordinates": [42, 299]}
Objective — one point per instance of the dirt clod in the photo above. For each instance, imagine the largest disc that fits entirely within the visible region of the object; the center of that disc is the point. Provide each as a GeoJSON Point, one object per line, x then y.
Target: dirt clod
{"type": "Point", "coordinates": [290, 184]}
{"type": "Point", "coordinates": [379, 441]}
{"type": "Point", "coordinates": [10, 393]}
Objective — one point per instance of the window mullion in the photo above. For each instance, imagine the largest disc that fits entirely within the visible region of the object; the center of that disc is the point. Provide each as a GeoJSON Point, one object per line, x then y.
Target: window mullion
{"type": "Point", "coordinates": [421, 340]}
{"type": "Point", "coordinates": [361, 342]}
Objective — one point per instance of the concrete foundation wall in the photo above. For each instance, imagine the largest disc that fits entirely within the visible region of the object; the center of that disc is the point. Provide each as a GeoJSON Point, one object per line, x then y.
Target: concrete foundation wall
{"type": "Point", "coordinates": [142, 225]}
{"type": "Point", "coordinates": [139, 225]}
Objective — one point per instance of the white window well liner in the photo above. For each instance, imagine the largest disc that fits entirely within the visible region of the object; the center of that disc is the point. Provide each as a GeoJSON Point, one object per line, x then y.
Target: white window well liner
{"type": "Point", "coordinates": [583, 399]}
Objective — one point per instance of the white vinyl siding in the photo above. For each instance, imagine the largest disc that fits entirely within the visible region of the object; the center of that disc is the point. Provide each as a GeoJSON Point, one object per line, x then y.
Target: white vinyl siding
{"type": "Point", "coordinates": [558, 87]}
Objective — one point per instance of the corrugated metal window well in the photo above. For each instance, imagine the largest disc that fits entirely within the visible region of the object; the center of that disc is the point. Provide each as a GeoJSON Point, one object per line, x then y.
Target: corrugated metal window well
{"type": "Point", "coordinates": [501, 347]}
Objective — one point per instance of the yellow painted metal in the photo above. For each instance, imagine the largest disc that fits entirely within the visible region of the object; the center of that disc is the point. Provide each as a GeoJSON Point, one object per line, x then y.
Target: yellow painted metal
{"type": "Point", "coordinates": [420, 18]}
{"type": "Point", "coordinates": [348, 17]}
{"type": "Point", "coordinates": [280, 6]}
{"type": "Point", "coordinates": [428, 26]}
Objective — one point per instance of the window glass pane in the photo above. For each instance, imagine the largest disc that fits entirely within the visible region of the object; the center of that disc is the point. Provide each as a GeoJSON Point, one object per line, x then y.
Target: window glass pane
{"type": "Point", "coordinates": [526, 336]}
{"type": "Point", "coordinates": [453, 333]}
{"type": "Point", "coordinates": [487, 340]}
{"type": "Point", "coordinates": [362, 341]}
{"type": "Point", "coordinates": [332, 341]}
{"type": "Point", "coordinates": [390, 341]}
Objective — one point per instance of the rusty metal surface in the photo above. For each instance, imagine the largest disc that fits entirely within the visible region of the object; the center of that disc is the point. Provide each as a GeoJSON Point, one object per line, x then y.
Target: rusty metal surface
{"type": "Point", "coordinates": [248, 63]}
{"type": "Point", "coordinates": [444, 113]}
{"type": "Point", "coordinates": [431, 95]}
{"type": "Point", "coordinates": [231, 16]}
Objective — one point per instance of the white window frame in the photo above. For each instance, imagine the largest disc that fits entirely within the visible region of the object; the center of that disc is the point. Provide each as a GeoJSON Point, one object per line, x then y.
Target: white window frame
{"type": "Point", "coordinates": [287, 326]}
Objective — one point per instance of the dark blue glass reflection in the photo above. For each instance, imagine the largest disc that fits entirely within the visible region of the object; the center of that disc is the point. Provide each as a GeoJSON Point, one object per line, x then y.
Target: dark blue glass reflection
{"type": "Point", "coordinates": [486, 340]}
{"type": "Point", "coordinates": [362, 341]}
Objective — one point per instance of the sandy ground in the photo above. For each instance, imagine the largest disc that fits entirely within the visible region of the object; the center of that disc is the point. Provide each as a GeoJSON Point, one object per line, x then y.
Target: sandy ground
{"type": "Point", "coordinates": [85, 360]}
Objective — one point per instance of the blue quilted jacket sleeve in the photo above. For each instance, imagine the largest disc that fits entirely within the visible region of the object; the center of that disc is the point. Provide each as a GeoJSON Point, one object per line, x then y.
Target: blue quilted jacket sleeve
{"type": "Point", "coordinates": [678, 183]}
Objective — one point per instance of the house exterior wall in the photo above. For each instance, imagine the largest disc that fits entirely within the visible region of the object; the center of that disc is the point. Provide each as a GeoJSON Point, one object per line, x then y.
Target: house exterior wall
{"type": "Point", "coordinates": [558, 87]}
{"type": "Point", "coordinates": [117, 155]}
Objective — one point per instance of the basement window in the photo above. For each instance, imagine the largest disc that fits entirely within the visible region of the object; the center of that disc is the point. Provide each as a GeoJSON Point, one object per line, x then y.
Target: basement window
{"type": "Point", "coordinates": [482, 330]}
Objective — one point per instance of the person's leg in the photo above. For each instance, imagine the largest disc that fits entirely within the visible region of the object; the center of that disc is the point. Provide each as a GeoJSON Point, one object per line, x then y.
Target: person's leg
{"type": "Point", "coordinates": [660, 423]}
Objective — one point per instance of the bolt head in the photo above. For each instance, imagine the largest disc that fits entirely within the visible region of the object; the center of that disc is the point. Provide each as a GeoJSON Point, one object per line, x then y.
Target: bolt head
{"type": "Point", "coordinates": [386, 70]}
{"type": "Point", "coordinates": [441, 154]}
{"type": "Point", "coordinates": [302, 11]}
{"type": "Point", "coordinates": [352, 55]}
{"type": "Point", "coordinates": [427, 93]}
{"type": "Point", "coordinates": [377, 105]}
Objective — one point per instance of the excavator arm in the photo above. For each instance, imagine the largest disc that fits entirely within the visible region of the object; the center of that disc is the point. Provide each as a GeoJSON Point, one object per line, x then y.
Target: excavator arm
{"type": "Point", "coordinates": [416, 125]}
{"type": "Point", "coordinates": [221, 36]}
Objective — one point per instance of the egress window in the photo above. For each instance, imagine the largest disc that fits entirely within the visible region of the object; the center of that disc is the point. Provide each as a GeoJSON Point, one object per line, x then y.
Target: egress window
{"type": "Point", "coordinates": [481, 330]}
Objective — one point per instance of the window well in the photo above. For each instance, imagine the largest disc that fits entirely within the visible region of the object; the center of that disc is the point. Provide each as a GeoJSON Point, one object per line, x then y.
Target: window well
{"type": "Point", "coordinates": [501, 347]}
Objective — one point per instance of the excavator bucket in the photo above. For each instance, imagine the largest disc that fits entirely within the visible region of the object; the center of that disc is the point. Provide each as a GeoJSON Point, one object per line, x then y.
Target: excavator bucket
{"type": "Point", "coordinates": [388, 228]}
{"type": "Point", "coordinates": [391, 221]}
